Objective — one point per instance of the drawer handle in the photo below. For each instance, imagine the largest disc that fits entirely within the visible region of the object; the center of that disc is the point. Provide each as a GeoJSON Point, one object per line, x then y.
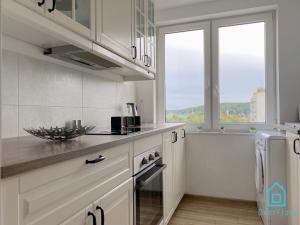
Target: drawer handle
{"type": "Point", "coordinates": [99, 159]}
{"type": "Point", "coordinates": [94, 217]}
{"type": "Point", "coordinates": [102, 214]}
{"type": "Point", "coordinates": [41, 3]}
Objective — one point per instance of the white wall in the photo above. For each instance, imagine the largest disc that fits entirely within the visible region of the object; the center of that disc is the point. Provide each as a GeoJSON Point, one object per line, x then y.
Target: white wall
{"type": "Point", "coordinates": [37, 93]}
{"type": "Point", "coordinates": [288, 40]}
{"type": "Point", "coordinates": [221, 165]}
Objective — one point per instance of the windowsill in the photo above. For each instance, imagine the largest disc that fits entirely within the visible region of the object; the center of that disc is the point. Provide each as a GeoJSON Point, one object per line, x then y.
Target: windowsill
{"type": "Point", "coordinates": [207, 132]}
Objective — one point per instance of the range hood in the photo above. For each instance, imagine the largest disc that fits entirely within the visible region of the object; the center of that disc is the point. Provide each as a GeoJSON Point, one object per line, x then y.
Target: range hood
{"type": "Point", "coordinates": [80, 57]}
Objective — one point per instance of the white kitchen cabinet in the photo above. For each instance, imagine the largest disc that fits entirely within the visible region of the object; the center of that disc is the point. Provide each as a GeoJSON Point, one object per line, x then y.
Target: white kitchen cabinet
{"type": "Point", "coordinates": [168, 158]}
{"type": "Point", "coordinates": [293, 179]}
{"type": "Point", "coordinates": [145, 34]}
{"type": "Point", "coordinates": [151, 35]}
{"type": "Point", "coordinates": [114, 21]}
{"type": "Point", "coordinates": [53, 194]}
{"type": "Point", "coordinates": [174, 174]}
{"type": "Point", "coordinates": [116, 207]}
{"type": "Point", "coordinates": [80, 218]}
{"type": "Point", "coordinates": [76, 15]}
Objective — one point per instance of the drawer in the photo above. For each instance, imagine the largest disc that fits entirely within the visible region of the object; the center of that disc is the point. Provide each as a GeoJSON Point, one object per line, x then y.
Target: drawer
{"type": "Point", "coordinates": [52, 194]}
{"type": "Point", "coordinates": [145, 144]}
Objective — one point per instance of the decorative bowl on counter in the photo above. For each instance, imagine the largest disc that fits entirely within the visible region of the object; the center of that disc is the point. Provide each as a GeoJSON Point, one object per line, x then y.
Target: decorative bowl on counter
{"type": "Point", "coordinates": [59, 133]}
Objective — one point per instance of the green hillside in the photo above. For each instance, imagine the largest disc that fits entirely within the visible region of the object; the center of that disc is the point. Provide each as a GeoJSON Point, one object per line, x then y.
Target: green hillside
{"type": "Point", "coordinates": [230, 112]}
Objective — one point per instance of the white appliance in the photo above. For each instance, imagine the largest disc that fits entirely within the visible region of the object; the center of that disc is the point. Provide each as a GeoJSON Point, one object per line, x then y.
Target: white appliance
{"type": "Point", "coordinates": [270, 169]}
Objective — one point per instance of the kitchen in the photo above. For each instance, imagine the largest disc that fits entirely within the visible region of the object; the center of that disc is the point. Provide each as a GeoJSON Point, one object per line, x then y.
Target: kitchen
{"type": "Point", "coordinates": [186, 151]}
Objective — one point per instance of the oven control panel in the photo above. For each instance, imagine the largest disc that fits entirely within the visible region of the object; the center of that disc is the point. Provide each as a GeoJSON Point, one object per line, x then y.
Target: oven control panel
{"type": "Point", "coordinates": [147, 158]}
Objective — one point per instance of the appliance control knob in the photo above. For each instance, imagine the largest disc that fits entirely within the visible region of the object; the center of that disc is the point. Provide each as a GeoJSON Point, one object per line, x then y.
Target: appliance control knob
{"type": "Point", "coordinates": [145, 161]}
{"type": "Point", "coordinates": [151, 157]}
{"type": "Point", "coordinates": [156, 154]}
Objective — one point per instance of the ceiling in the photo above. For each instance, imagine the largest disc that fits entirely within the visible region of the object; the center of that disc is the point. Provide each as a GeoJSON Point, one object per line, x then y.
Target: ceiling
{"type": "Point", "coordinates": [164, 4]}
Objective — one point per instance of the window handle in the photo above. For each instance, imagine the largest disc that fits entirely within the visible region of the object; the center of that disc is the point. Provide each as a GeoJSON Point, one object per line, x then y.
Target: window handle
{"type": "Point", "coordinates": [102, 214]}
{"type": "Point", "coordinates": [295, 149]}
{"type": "Point", "coordinates": [41, 3]}
{"type": "Point", "coordinates": [93, 216]}
{"type": "Point", "coordinates": [53, 6]}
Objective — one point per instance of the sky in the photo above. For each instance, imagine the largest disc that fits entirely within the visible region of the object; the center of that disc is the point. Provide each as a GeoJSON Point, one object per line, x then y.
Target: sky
{"type": "Point", "coordinates": [241, 65]}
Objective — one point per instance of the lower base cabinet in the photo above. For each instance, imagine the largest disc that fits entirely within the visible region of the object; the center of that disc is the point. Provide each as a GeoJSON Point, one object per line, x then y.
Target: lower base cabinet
{"type": "Point", "coordinates": [115, 208]}
{"type": "Point", "coordinates": [174, 174]}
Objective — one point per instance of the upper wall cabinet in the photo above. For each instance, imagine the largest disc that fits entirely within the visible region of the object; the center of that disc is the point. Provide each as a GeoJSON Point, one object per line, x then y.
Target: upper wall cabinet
{"type": "Point", "coordinates": [114, 21]}
{"type": "Point", "coordinates": [76, 15]}
{"type": "Point", "coordinates": [144, 30]}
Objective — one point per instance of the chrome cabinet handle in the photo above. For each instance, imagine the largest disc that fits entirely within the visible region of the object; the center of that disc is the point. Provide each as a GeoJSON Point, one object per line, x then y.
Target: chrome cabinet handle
{"type": "Point", "coordinates": [134, 52]}
{"type": "Point", "coordinates": [94, 217]}
{"type": "Point", "coordinates": [176, 137]}
{"type": "Point", "coordinates": [41, 3]}
{"type": "Point", "coordinates": [102, 214]}
{"type": "Point", "coordinates": [99, 159]}
{"type": "Point", "coordinates": [53, 6]}
{"type": "Point", "coordinates": [295, 150]}
{"type": "Point", "coordinates": [146, 60]}
{"type": "Point", "coordinates": [184, 134]}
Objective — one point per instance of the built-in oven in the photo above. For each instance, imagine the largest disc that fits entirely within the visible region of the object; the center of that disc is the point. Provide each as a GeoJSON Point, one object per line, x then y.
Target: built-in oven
{"type": "Point", "coordinates": [148, 188]}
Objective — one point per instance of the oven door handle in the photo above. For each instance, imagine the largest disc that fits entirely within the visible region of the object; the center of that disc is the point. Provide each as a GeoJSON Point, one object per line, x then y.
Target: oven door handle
{"type": "Point", "coordinates": [142, 183]}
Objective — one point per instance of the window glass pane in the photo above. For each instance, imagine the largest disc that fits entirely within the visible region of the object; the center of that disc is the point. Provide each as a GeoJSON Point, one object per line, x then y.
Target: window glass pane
{"type": "Point", "coordinates": [242, 73]}
{"type": "Point", "coordinates": [184, 67]}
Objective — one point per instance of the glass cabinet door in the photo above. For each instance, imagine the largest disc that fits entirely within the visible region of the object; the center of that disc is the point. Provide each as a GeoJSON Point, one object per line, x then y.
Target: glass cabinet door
{"type": "Point", "coordinates": [78, 10]}
{"type": "Point", "coordinates": [151, 36]}
{"type": "Point", "coordinates": [140, 30]}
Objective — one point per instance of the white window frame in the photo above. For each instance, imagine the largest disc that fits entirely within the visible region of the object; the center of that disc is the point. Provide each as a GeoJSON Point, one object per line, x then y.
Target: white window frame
{"type": "Point", "coordinates": [212, 97]}
{"type": "Point", "coordinates": [270, 75]}
{"type": "Point", "coordinates": [207, 68]}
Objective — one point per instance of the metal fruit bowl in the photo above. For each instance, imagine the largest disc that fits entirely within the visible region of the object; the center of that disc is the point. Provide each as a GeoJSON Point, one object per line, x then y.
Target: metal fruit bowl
{"type": "Point", "coordinates": [59, 133]}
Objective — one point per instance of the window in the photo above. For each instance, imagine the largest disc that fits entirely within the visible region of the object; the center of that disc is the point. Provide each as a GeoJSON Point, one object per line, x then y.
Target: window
{"type": "Point", "coordinates": [219, 73]}
{"type": "Point", "coordinates": [242, 73]}
{"type": "Point", "coordinates": [184, 57]}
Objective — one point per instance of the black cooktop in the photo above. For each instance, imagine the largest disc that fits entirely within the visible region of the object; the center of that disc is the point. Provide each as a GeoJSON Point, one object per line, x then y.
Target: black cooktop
{"type": "Point", "coordinates": [127, 131]}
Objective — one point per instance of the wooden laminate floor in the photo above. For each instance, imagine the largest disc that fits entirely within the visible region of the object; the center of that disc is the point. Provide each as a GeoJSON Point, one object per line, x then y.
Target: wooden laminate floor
{"type": "Point", "coordinates": [207, 211]}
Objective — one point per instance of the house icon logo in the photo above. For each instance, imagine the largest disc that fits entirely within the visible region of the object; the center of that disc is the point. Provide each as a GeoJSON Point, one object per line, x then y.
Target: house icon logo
{"type": "Point", "coordinates": [276, 196]}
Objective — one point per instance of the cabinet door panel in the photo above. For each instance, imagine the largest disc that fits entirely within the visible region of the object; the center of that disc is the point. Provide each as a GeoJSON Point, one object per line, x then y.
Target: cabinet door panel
{"type": "Point", "coordinates": [114, 27]}
{"type": "Point", "coordinates": [292, 178]}
{"type": "Point", "coordinates": [168, 177]}
{"type": "Point", "coordinates": [118, 205]}
{"type": "Point", "coordinates": [140, 31]}
{"type": "Point", "coordinates": [78, 219]}
{"type": "Point", "coordinates": [76, 15]}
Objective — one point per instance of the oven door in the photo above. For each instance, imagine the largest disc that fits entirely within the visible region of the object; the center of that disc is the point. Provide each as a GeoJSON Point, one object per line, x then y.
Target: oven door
{"type": "Point", "coordinates": [149, 195]}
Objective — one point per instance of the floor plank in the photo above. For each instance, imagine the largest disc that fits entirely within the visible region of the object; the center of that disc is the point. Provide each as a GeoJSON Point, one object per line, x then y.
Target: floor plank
{"type": "Point", "coordinates": [196, 210]}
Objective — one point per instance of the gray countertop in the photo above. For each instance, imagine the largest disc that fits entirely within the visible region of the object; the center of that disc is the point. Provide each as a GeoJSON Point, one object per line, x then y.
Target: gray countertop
{"type": "Point", "coordinates": [23, 154]}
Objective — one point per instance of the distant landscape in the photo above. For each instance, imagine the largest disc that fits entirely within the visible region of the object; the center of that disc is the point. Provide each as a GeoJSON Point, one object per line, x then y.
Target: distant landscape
{"type": "Point", "coordinates": [230, 112]}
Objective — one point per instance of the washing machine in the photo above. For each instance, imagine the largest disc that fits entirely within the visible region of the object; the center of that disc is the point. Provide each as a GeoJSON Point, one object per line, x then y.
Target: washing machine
{"type": "Point", "coordinates": [270, 170]}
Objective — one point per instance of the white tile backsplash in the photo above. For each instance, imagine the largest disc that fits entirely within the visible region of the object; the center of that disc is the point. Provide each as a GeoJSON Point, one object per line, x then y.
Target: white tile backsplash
{"type": "Point", "coordinates": [9, 120]}
{"type": "Point", "coordinates": [9, 79]}
{"type": "Point", "coordinates": [37, 93]}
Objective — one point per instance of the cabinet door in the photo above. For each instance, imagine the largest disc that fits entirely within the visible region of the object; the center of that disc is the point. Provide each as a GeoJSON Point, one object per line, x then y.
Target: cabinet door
{"type": "Point", "coordinates": [115, 26]}
{"type": "Point", "coordinates": [140, 32]}
{"type": "Point", "coordinates": [151, 36]}
{"type": "Point", "coordinates": [79, 218]}
{"type": "Point", "coordinates": [168, 183]}
{"type": "Point", "coordinates": [36, 5]}
{"type": "Point", "coordinates": [77, 15]}
{"type": "Point", "coordinates": [292, 178]}
{"type": "Point", "coordinates": [117, 205]}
